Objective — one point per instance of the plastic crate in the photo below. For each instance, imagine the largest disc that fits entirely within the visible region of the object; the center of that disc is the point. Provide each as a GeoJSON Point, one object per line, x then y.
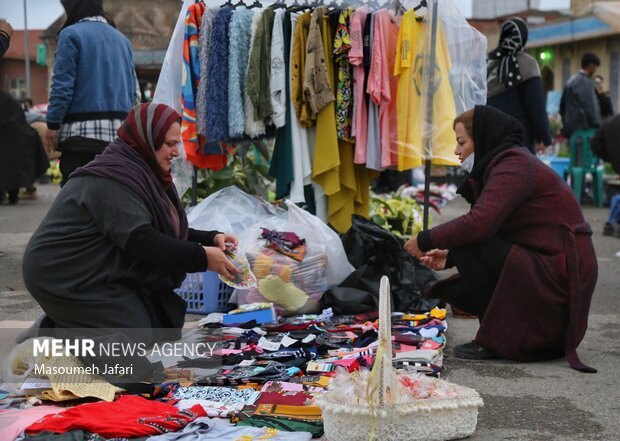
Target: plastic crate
{"type": "Point", "coordinates": [559, 165]}
{"type": "Point", "coordinates": [204, 293]}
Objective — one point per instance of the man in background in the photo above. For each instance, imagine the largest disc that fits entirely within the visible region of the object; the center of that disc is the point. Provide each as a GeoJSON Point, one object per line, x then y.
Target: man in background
{"type": "Point", "coordinates": [93, 85]}
{"type": "Point", "coordinates": [579, 105]}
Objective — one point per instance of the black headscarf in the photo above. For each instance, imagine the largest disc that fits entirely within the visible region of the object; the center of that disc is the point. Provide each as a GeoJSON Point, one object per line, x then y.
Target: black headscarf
{"type": "Point", "coordinates": [512, 39]}
{"type": "Point", "coordinates": [79, 9]}
{"type": "Point", "coordinates": [493, 132]}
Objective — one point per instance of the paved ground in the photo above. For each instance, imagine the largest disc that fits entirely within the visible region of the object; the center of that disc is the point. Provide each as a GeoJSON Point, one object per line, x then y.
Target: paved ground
{"type": "Point", "coordinates": [524, 402]}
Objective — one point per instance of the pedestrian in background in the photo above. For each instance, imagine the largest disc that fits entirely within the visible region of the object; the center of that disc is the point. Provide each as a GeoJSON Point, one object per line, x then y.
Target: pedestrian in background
{"type": "Point", "coordinates": [6, 30]}
{"type": "Point", "coordinates": [605, 145]}
{"type": "Point", "coordinates": [514, 85]}
{"type": "Point", "coordinates": [579, 105]}
{"type": "Point", "coordinates": [93, 85]}
{"type": "Point", "coordinates": [23, 158]}
{"type": "Point", "coordinates": [604, 98]}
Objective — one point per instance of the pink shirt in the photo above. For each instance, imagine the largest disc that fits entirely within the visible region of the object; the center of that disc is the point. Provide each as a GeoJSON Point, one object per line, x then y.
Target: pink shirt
{"type": "Point", "coordinates": [382, 84]}
{"type": "Point", "coordinates": [356, 58]}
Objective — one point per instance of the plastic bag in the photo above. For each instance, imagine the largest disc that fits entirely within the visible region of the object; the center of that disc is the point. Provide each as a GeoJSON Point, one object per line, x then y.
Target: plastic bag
{"type": "Point", "coordinates": [325, 263]}
{"type": "Point", "coordinates": [301, 284]}
{"type": "Point", "coordinates": [375, 252]}
{"type": "Point", "coordinates": [231, 210]}
{"type": "Point", "coordinates": [16, 367]}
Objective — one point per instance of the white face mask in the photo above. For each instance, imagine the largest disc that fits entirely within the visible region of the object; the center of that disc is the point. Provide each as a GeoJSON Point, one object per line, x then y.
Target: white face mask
{"type": "Point", "coordinates": [468, 163]}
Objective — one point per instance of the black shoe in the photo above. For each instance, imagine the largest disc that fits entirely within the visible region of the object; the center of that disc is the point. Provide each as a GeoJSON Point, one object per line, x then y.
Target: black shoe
{"type": "Point", "coordinates": [608, 229]}
{"type": "Point", "coordinates": [473, 351]}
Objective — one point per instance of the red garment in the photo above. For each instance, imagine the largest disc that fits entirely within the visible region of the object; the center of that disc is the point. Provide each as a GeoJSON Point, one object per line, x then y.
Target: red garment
{"type": "Point", "coordinates": [127, 417]}
{"type": "Point", "coordinates": [284, 397]}
{"type": "Point", "coordinates": [539, 309]}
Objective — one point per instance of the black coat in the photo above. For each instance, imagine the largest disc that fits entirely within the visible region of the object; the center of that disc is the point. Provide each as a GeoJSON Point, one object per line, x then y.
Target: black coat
{"type": "Point", "coordinates": [526, 103]}
{"type": "Point", "coordinates": [21, 149]}
{"type": "Point", "coordinates": [605, 143]}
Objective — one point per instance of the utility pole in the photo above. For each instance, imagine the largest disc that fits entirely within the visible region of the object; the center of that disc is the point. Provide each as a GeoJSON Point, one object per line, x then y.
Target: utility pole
{"type": "Point", "coordinates": [27, 56]}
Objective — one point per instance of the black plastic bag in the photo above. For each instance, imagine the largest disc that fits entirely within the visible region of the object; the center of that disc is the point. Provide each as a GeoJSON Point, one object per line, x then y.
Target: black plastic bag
{"type": "Point", "coordinates": [375, 252]}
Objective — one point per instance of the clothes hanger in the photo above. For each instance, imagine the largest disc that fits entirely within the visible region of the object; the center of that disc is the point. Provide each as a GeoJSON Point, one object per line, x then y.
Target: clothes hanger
{"type": "Point", "coordinates": [421, 5]}
{"type": "Point", "coordinates": [255, 5]}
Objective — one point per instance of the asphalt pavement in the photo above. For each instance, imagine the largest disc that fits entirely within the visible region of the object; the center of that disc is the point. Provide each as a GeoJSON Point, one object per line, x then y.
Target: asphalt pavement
{"type": "Point", "coordinates": [523, 402]}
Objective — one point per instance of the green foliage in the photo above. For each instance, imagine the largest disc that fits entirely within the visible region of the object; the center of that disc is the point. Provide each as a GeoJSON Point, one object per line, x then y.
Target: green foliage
{"type": "Point", "coordinates": [400, 215]}
{"type": "Point", "coordinates": [247, 168]}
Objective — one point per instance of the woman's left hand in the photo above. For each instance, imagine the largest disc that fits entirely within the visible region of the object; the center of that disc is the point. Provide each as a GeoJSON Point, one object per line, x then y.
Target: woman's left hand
{"type": "Point", "coordinates": [411, 246]}
{"type": "Point", "coordinates": [224, 240]}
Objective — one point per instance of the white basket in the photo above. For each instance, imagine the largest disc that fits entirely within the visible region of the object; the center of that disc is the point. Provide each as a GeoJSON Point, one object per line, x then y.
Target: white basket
{"type": "Point", "coordinates": [432, 419]}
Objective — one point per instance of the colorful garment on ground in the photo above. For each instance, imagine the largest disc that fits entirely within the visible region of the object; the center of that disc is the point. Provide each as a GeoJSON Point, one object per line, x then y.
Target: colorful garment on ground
{"type": "Point", "coordinates": [290, 418]}
{"type": "Point", "coordinates": [129, 416]}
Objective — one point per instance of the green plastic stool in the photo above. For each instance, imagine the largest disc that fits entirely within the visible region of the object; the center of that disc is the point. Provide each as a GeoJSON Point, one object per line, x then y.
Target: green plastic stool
{"type": "Point", "coordinates": [588, 163]}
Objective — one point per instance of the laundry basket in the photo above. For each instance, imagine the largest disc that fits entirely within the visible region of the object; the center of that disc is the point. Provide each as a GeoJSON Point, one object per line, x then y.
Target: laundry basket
{"type": "Point", "coordinates": [204, 293]}
{"type": "Point", "coordinates": [387, 419]}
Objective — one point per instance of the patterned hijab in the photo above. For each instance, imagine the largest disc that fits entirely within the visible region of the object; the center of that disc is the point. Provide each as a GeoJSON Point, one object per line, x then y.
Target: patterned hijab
{"type": "Point", "coordinates": [512, 39]}
{"type": "Point", "coordinates": [144, 131]}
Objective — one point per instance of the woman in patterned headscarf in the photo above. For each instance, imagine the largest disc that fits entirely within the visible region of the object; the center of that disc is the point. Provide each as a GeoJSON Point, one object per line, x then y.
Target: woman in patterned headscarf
{"type": "Point", "coordinates": [514, 84]}
{"type": "Point", "coordinates": [116, 242]}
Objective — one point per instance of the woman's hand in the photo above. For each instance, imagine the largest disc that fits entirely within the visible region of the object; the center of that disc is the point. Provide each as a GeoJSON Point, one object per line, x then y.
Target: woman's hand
{"type": "Point", "coordinates": [218, 262]}
{"type": "Point", "coordinates": [435, 259]}
{"type": "Point", "coordinates": [411, 246]}
{"type": "Point", "coordinates": [223, 241]}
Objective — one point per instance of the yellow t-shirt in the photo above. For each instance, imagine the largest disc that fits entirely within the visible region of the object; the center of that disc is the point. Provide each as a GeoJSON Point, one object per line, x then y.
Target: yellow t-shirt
{"type": "Point", "coordinates": [410, 53]}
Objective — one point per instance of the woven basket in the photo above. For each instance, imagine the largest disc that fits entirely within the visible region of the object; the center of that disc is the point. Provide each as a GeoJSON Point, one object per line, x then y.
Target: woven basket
{"type": "Point", "coordinates": [432, 419]}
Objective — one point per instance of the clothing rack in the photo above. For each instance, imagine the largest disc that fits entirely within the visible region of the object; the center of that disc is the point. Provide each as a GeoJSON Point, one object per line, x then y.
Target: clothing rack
{"type": "Point", "coordinates": [398, 7]}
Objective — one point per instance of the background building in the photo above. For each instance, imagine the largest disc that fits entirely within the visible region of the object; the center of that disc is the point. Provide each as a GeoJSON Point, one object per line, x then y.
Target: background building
{"type": "Point", "coordinates": [13, 68]}
{"type": "Point", "coordinates": [559, 46]}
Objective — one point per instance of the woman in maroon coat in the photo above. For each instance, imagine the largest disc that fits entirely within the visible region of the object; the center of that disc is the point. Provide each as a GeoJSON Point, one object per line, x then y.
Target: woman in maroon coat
{"type": "Point", "coordinates": [524, 252]}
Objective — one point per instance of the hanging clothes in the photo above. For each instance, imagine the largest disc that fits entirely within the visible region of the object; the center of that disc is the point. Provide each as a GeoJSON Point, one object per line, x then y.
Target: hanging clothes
{"type": "Point", "coordinates": [253, 127]}
{"type": "Point", "coordinates": [344, 89]}
{"type": "Point", "coordinates": [340, 205]}
{"type": "Point", "coordinates": [204, 41]}
{"type": "Point", "coordinates": [298, 64]}
{"type": "Point", "coordinates": [190, 84]}
{"type": "Point", "coordinates": [217, 74]}
{"type": "Point", "coordinates": [282, 167]}
{"type": "Point", "coordinates": [239, 34]}
{"type": "Point", "coordinates": [373, 139]}
{"type": "Point", "coordinates": [257, 82]}
{"type": "Point", "coordinates": [382, 84]}
{"type": "Point", "coordinates": [279, 72]}
{"type": "Point", "coordinates": [318, 91]}
{"type": "Point", "coordinates": [359, 125]}
{"type": "Point", "coordinates": [302, 137]}
{"type": "Point", "coordinates": [411, 147]}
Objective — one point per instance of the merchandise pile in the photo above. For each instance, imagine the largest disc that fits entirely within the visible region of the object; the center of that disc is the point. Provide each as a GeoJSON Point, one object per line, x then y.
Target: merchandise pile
{"type": "Point", "coordinates": [261, 383]}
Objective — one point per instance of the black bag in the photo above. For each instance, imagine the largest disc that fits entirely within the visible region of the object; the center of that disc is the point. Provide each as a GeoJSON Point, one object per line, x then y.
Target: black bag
{"type": "Point", "coordinates": [375, 252]}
